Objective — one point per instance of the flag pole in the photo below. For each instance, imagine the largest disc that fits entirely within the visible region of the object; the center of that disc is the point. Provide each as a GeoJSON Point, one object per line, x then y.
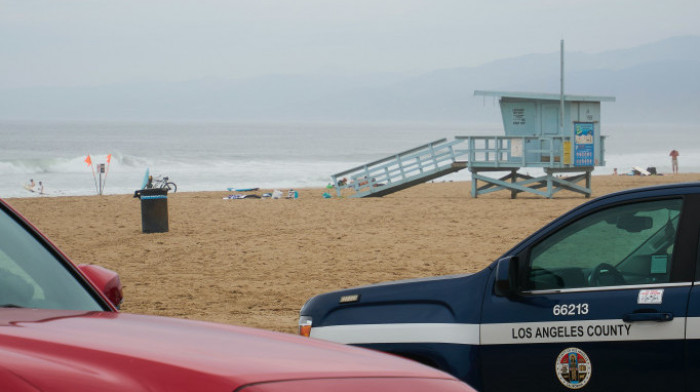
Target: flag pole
{"type": "Point", "coordinates": [89, 162]}
{"type": "Point", "coordinates": [561, 94]}
{"type": "Point", "coordinates": [109, 160]}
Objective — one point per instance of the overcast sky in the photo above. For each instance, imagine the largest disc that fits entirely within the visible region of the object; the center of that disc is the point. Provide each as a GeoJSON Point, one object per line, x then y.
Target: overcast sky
{"type": "Point", "coordinates": [93, 42]}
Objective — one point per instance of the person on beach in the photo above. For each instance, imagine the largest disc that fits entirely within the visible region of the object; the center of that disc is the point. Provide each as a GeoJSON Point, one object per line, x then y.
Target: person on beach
{"type": "Point", "coordinates": [674, 161]}
{"type": "Point", "coordinates": [41, 188]}
{"type": "Point", "coordinates": [30, 185]}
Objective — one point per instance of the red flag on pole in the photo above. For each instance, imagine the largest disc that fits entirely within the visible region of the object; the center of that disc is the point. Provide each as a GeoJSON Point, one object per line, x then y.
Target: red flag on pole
{"type": "Point", "coordinates": [109, 158]}
{"type": "Point", "coordinates": [89, 162]}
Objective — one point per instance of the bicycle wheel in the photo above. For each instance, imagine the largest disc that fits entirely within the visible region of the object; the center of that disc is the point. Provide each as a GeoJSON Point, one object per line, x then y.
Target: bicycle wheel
{"type": "Point", "coordinates": [171, 187]}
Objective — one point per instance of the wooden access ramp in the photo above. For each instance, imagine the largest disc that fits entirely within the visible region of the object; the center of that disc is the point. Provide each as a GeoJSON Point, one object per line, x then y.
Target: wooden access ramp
{"type": "Point", "coordinates": [401, 171]}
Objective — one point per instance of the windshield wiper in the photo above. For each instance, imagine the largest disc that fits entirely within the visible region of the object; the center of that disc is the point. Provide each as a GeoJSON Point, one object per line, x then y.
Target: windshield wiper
{"type": "Point", "coordinates": [10, 306]}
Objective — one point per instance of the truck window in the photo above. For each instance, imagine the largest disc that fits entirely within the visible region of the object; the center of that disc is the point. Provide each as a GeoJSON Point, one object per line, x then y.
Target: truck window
{"type": "Point", "coordinates": [621, 245]}
{"type": "Point", "coordinates": [32, 277]}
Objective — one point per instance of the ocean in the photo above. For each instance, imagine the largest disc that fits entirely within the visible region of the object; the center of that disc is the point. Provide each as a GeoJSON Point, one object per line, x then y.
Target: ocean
{"type": "Point", "coordinates": [213, 156]}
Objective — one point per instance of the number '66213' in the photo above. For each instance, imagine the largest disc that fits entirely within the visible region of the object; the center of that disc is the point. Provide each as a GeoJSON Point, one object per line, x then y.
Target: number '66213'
{"type": "Point", "coordinates": [570, 309]}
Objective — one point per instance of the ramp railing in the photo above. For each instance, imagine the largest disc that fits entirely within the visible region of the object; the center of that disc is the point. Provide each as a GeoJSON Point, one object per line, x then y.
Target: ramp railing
{"type": "Point", "coordinates": [515, 151]}
{"type": "Point", "coordinates": [400, 170]}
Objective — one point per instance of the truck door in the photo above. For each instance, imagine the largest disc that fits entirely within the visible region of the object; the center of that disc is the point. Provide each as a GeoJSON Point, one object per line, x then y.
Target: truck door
{"type": "Point", "coordinates": [693, 337]}
{"type": "Point", "coordinates": [693, 321]}
{"type": "Point", "coordinates": [600, 305]}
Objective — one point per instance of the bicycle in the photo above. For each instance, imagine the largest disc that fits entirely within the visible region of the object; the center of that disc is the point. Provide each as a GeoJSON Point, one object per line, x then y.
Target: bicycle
{"type": "Point", "coordinates": [163, 183]}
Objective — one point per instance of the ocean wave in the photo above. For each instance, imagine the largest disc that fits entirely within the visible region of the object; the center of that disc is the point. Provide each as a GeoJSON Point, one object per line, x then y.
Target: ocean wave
{"type": "Point", "coordinates": [31, 166]}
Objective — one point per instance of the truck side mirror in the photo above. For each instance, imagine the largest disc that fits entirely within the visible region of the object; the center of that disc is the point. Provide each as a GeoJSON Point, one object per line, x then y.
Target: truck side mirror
{"type": "Point", "coordinates": [506, 276]}
{"type": "Point", "coordinates": [634, 224]}
{"type": "Point", "coordinates": [107, 281]}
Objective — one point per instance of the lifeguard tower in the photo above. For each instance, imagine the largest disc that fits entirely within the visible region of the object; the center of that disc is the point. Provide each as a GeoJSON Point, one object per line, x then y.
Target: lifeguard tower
{"type": "Point", "coordinates": [559, 134]}
{"type": "Point", "coordinates": [565, 147]}
{"type": "Point", "coordinates": [556, 133]}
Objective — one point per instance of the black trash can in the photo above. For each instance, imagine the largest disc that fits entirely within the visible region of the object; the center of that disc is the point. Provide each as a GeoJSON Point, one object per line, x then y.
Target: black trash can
{"type": "Point", "coordinates": [154, 209]}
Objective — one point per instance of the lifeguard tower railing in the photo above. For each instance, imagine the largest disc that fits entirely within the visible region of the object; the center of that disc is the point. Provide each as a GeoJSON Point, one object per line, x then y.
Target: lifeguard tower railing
{"type": "Point", "coordinates": [511, 153]}
{"type": "Point", "coordinates": [478, 153]}
{"type": "Point", "coordinates": [402, 170]}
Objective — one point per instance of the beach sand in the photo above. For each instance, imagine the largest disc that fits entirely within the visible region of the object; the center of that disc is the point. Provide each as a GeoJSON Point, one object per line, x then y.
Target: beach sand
{"type": "Point", "coordinates": [255, 262]}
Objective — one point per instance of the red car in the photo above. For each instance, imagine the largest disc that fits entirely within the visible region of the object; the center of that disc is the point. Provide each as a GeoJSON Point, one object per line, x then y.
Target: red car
{"type": "Point", "coordinates": [60, 331]}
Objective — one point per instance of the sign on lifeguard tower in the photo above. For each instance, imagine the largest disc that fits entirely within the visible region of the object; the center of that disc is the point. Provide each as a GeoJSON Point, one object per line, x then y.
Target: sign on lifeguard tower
{"type": "Point", "coordinates": [583, 152]}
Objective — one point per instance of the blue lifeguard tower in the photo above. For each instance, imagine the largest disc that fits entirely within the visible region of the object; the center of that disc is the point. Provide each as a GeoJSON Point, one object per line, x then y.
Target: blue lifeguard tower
{"type": "Point", "coordinates": [557, 133]}
{"type": "Point", "coordinates": [561, 135]}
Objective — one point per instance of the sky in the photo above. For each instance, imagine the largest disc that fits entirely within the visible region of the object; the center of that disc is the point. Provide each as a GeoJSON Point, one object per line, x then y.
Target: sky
{"type": "Point", "coordinates": [98, 42]}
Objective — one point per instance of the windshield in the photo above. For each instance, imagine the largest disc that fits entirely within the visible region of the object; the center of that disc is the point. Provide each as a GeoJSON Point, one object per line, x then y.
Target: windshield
{"type": "Point", "coordinates": [32, 277]}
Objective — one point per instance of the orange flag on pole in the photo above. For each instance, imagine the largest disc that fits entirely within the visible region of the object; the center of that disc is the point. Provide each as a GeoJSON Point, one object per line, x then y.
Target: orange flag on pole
{"type": "Point", "coordinates": [109, 159]}
{"type": "Point", "coordinates": [88, 160]}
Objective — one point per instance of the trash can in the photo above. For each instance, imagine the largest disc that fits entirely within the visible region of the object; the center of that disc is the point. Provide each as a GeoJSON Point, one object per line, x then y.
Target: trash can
{"type": "Point", "coordinates": [154, 209]}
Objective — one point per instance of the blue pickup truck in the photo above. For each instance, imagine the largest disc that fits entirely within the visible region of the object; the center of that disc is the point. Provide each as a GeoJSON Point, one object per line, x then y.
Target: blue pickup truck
{"type": "Point", "coordinates": [603, 298]}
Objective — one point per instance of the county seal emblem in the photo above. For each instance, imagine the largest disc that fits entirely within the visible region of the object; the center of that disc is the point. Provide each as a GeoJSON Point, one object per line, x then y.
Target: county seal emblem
{"type": "Point", "coordinates": [573, 368]}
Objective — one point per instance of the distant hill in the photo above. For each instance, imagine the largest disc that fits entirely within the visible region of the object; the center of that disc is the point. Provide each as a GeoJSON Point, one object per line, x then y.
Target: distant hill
{"type": "Point", "coordinates": [656, 82]}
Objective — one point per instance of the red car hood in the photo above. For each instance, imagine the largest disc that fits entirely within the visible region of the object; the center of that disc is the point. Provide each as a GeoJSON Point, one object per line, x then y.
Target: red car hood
{"type": "Point", "coordinates": [67, 350]}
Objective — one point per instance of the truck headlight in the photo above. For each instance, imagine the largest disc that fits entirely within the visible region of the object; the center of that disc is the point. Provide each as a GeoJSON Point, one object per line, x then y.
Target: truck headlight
{"type": "Point", "coordinates": [305, 326]}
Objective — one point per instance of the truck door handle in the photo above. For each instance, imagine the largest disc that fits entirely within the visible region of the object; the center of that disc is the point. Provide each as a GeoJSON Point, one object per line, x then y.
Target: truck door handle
{"type": "Point", "coordinates": [632, 317]}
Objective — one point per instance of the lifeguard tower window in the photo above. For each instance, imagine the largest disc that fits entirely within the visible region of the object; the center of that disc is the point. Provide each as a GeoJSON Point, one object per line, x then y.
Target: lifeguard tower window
{"type": "Point", "coordinates": [550, 119]}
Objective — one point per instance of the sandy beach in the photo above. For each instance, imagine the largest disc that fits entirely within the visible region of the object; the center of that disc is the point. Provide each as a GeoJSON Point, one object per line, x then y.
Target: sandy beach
{"type": "Point", "coordinates": [255, 262]}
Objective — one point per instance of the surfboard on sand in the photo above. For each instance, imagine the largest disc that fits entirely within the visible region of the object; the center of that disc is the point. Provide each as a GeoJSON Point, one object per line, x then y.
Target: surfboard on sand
{"type": "Point", "coordinates": [242, 189]}
{"type": "Point", "coordinates": [641, 171]}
